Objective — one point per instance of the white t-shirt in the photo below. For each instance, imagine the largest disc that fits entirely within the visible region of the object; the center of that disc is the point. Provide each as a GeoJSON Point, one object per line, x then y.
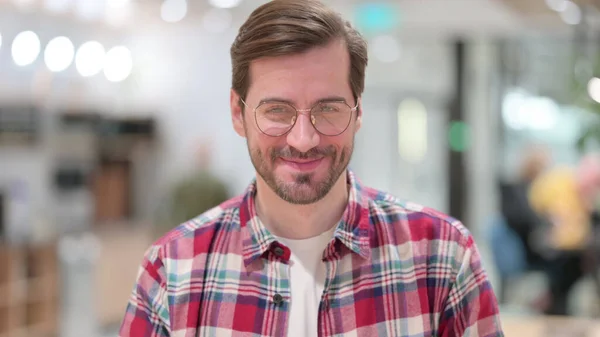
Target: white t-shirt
{"type": "Point", "coordinates": [307, 280]}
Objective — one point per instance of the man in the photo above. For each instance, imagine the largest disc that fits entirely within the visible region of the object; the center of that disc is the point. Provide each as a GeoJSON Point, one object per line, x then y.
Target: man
{"type": "Point", "coordinates": [511, 234]}
{"type": "Point", "coordinates": [515, 205]}
{"type": "Point", "coordinates": [308, 250]}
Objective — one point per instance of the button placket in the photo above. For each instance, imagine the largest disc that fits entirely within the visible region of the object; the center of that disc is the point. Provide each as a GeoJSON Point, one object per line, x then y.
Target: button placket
{"type": "Point", "coordinates": [277, 299]}
{"type": "Point", "coordinates": [281, 286]}
{"type": "Point", "coordinates": [277, 287]}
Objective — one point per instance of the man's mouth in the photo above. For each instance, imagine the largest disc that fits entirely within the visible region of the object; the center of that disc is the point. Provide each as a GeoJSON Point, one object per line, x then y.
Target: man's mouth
{"type": "Point", "coordinates": [308, 164]}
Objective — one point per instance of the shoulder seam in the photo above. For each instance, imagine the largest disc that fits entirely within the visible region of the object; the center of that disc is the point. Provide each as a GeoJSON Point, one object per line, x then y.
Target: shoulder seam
{"type": "Point", "coordinates": [191, 226]}
{"type": "Point", "coordinates": [456, 224]}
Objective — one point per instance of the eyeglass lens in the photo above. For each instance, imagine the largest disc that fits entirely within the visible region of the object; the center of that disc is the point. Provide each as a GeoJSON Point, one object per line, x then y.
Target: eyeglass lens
{"type": "Point", "coordinates": [330, 118]}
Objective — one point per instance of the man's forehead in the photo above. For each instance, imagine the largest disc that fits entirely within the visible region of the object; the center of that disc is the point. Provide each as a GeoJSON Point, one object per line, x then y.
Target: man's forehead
{"type": "Point", "coordinates": [334, 52]}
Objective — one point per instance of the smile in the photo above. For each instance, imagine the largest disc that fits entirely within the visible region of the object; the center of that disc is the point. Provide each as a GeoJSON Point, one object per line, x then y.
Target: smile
{"type": "Point", "coordinates": [302, 164]}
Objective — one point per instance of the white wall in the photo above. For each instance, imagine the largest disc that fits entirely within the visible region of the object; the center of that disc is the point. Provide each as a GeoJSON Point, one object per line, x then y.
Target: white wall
{"type": "Point", "coordinates": [423, 72]}
{"type": "Point", "coordinates": [191, 72]}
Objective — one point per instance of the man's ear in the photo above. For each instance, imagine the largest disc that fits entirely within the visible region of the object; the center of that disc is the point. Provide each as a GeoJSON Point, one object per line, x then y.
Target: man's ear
{"type": "Point", "coordinates": [237, 113]}
{"type": "Point", "coordinates": [359, 112]}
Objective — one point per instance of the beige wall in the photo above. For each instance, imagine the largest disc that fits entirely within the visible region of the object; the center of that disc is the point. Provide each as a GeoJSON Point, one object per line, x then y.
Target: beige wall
{"type": "Point", "coordinates": [116, 271]}
{"type": "Point", "coordinates": [549, 327]}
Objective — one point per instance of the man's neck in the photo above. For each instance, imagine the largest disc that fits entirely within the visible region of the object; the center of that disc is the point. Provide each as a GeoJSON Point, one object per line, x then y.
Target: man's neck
{"type": "Point", "coordinates": [301, 221]}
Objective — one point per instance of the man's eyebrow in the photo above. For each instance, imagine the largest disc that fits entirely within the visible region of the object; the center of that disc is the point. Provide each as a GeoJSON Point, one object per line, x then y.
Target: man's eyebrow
{"type": "Point", "coordinates": [290, 102]}
{"type": "Point", "coordinates": [331, 99]}
{"type": "Point", "coordinates": [275, 99]}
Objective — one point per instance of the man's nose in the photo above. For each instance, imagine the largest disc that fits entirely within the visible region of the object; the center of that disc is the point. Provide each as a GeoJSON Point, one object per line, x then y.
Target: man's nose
{"type": "Point", "coordinates": [303, 135]}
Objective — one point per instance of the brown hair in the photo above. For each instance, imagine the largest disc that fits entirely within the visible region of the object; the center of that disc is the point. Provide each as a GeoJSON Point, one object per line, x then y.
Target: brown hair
{"type": "Point", "coordinates": [284, 27]}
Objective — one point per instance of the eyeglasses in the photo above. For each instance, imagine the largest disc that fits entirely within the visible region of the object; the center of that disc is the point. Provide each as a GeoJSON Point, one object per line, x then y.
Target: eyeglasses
{"type": "Point", "coordinates": [330, 118]}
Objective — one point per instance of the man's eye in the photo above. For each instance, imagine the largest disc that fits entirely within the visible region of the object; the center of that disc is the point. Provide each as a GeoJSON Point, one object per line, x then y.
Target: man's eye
{"type": "Point", "coordinates": [328, 108]}
{"type": "Point", "coordinates": [276, 110]}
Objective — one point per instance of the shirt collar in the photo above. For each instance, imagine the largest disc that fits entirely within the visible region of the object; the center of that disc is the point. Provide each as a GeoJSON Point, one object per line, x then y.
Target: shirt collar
{"type": "Point", "coordinates": [352, 231]}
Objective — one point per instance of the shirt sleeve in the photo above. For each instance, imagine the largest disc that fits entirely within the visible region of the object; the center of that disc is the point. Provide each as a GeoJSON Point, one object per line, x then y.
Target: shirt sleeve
{"type": "Point", "coordinates": [471, 307]}
{"type": "Point", "coordinates": [147, 313]}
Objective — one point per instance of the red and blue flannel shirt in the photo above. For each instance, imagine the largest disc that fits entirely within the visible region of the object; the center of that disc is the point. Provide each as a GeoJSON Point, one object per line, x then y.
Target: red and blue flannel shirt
{"type": "Point", "coordinates": [393, 269]}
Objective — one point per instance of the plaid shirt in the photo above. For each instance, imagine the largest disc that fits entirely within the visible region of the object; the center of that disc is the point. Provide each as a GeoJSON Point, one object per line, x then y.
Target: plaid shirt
{"type": "Point", "coordinates": [393, 269]}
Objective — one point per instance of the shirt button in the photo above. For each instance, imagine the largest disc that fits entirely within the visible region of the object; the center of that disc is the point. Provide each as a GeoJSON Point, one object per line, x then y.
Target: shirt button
{"type": "Point", "coordinates": [277, 299]}
{"type": "Point", "coordinates": [278, 251]}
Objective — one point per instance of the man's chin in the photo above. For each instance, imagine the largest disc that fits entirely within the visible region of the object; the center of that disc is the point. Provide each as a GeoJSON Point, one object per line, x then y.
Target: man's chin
{"type": "Point", "coordinates": [299, 195]}
{"type": "Point", "coordinates": [291, 176]}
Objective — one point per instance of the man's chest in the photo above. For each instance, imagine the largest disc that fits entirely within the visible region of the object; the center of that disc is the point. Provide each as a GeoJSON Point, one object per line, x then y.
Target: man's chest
{"type": "Point", "coordinates": [361, 297]}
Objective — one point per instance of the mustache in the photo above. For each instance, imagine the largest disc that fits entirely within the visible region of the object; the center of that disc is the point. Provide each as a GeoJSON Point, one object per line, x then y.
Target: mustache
{"type": "Point", "coordinates": [292, 153]}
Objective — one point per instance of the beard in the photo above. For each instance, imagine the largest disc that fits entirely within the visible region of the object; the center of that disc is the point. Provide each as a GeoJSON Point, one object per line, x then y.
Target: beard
{"type": "Point", "coordinates": [305, 188]}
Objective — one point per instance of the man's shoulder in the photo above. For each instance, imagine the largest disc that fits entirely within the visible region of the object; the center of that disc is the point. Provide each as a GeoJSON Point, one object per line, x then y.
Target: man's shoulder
{"type": "Point", "coordinates": [422, 222]}
{"type": "Point", "coordinates": [195, 235]}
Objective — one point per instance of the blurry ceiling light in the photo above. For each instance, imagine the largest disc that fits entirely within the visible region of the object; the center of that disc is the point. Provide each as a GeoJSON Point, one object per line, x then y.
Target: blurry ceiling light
{"type": "Point", "coordinates": [57, 6]}
{"type": "Point", "coordinates": [521, 111]}
{"type": "Point", "coordinates": [89, 60]}
{"type": "Point", "coordinates": [412, 130]}
{"type": "Point", "coordinates": [118, 64]}
{"type": "Point", "coordinates": [594, 89]}
{"type": "Point", "coordinates": [225, 3]}
{"type": "Point", "coordinates": [543, 113]}
{"type": "Point", "coordinates": [59, 54]}
{"type": "Point", "coordinates": [217, 20]}
{"type": "Point", "coordinates": [386, 48]}
{"type": "Point", "coordinates": [173, 10]}
{"type": "Point", "coordinates": [118, 12]}
{"type": "Point", "coordinates": [557, 5]}
{"type": "Point", "coordinates": [571, 14]}
{"type": "Point", "coordinates": [25, 48]}
{"type": "Point", "coordinates": [511, 110]}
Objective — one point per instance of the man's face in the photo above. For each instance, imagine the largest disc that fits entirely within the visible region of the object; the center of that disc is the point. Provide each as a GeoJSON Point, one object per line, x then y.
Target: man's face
{"type": "Point", "coordinates": [302, 165]}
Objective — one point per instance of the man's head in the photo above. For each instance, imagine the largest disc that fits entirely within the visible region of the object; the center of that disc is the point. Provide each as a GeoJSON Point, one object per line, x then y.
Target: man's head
{"type": "Point", "coordinates": [298, 55]}
{"type": "Point", "coordinates": [536, 160]}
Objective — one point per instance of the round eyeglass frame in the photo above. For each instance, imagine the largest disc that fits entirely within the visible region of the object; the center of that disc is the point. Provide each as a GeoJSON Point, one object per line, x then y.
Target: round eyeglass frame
{"type": "Point", "coordinates": [298, 111]}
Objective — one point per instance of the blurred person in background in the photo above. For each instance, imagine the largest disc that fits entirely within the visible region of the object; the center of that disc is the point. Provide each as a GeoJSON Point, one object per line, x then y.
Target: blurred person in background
{"type": "Point", "coordinates": [515, 206]}
{"type": "Point", "coordinates": [511, 234]}
{"type": "Point", "coordinates": [194, 194]}
{"type": "Point", "coordinates": [308, 250]}
{"type": "Point", "coordinates": [567, 198]}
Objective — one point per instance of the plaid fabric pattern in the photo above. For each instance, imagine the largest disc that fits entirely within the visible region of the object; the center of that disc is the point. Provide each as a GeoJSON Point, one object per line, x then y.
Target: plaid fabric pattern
{"type": "Point", "coordinates": [393, 269]}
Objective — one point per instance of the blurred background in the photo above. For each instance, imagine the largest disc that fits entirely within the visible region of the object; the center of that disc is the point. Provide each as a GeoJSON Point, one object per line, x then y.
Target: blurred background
{"type": "Point", "coordinates": [115, 127]}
